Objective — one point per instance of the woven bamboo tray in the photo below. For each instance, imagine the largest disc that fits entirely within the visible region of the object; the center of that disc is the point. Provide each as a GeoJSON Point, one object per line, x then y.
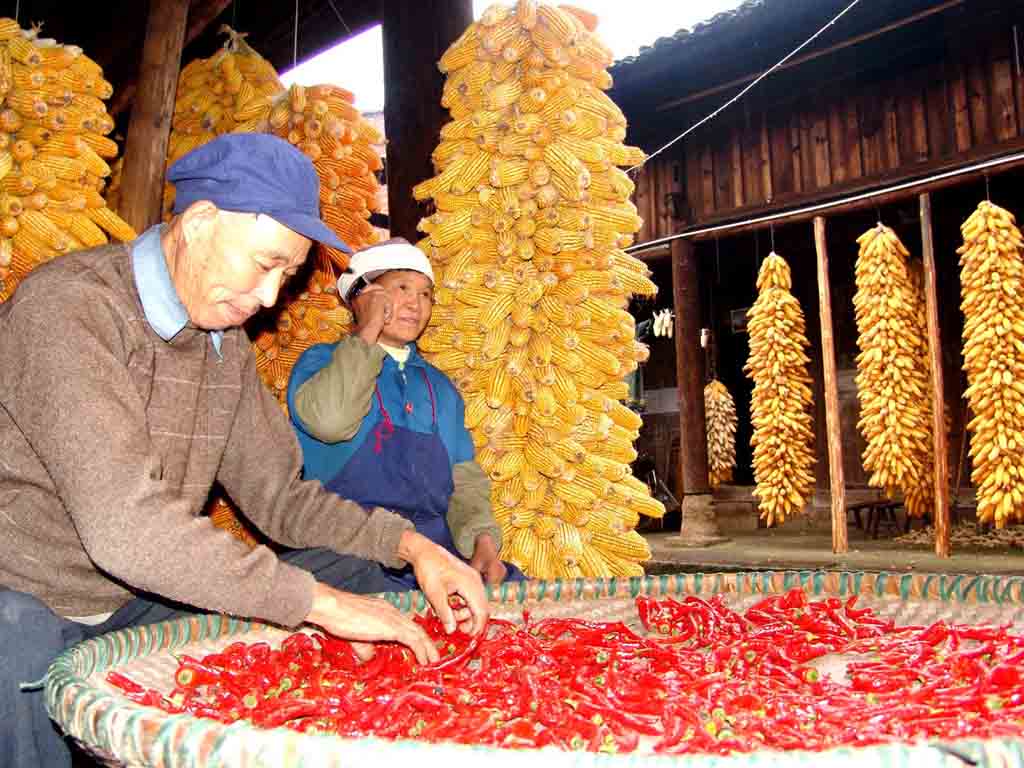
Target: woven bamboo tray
{"type": "Point", "coordinates": [120, 733]}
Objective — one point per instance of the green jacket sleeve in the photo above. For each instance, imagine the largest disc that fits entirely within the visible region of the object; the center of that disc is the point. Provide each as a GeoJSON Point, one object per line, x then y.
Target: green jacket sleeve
{"type": "Point", "coordinates": [334, 401]}
{"type": "Point", "coordinates": [469, 509]}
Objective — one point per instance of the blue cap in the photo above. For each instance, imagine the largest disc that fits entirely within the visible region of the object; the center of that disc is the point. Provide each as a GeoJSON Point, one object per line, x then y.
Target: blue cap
{"type": "Point", "coordinates": [254, 173]}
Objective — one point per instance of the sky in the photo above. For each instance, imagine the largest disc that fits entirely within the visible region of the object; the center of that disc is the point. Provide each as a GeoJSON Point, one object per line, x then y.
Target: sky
{"type": "Point", "coordinates": [358, 63]}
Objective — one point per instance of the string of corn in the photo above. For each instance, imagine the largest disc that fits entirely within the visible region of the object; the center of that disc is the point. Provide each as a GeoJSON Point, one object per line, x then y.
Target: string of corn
{"type": "Point", "coordinates": [893, 377]}
{"type": "Point", "coordinates": [54, 153]}
{"type": "Point", "coordinates": [783, 438]}
{"type": "Point", "coordinates": [720, 416]}
{"type": "Point", "coordinates": [992, 292]}
{"type": "Point", "coordinates": [533, 286]}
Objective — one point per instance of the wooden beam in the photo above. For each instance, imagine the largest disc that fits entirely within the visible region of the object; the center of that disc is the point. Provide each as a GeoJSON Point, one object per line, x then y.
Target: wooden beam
{"type": "Point", "coordinates": [200, 15]}
{"type": "Point", "coordinates": [828, 362]}
{"type": "Point", "coordinates": [939, 445]}
{"type": "Point", "coordinates": [415, 35]}
{"type": "Point", "coordinates": [142, 184]}
{"type": "Point", "coordinates": [693, 441]}
{"type": "Point", "coordinates": [789, 211]}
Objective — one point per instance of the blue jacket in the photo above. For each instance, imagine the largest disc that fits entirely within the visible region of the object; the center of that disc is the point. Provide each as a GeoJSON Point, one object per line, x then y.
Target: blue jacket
{"type": "Point", "coordinates": [323, 461]}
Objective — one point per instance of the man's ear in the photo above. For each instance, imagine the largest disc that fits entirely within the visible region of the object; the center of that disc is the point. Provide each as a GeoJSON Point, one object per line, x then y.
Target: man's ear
{"type": "Point", "coordinates": [197, 221]}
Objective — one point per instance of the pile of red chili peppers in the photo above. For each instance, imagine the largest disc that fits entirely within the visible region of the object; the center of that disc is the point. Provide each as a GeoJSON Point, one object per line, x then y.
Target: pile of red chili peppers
{"type": "Point", "coordinates": [705, 679]}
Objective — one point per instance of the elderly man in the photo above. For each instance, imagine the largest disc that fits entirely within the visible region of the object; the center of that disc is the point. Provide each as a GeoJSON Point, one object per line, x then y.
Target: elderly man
{"type": "Point", "coordinates": [127, 388]}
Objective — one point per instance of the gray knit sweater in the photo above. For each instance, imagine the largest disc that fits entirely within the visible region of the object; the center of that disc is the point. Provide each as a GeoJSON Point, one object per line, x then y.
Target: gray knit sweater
{"type": "Point", "coordinates": [111, 438]}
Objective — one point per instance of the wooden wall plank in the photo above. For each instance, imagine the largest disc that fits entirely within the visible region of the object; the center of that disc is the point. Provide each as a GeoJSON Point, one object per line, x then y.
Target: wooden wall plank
{"type": "Point", "coordinates": [752, 164]}
{"type": "Point", "coordinates": [961, 109]}
{"type": "Point", "coordinates": [694, 182]}
{"type": "Point", "coordinates": [820, 149]}
{"type": "Point", "coordinates": [854, 155]}
{"type": "Point", "coordinates": [707, 176]}
{"type": "Point", "coordinates": [938, 106]}
{"type": "Point", "coordinates": [871, 132]}
{"type": "Point", "coordinates": [837, 150]}
{"type": "Point", "coordinates": [796, 157]}
{"type": "Point", "coordinates": [723, 177]}
{"type": "Point", "coordinates": [1004, 108]}
{"type": "Point", "coordinates": [807, 153]}
{"type": "Point", "coordinates": [978, 100]}
{"type": "Point", "coordinates": [919, 128]}
{"type": "Point", "coordinates": [767, 187]}
{"type": "Point", "coordinates": [782, 157]}
{"type": "Point", "coordinates": [736, 167]}
{"type": "Point", "coordinates": [891, 128]}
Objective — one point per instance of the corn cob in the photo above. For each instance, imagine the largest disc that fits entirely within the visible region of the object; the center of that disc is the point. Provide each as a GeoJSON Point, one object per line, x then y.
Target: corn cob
{"type": "Point", "coordinates": [720, 411]}
{"type": "Point", "coordinates": [520, 247]}
{"type": "Point", "coordinates": [893, 378]}
{"type": "Point", "coordinates": [992, 285]}
{"type": "Point", "coordinates": [783, 437]}
{"type": "Point", "coordinates": [52, 159]}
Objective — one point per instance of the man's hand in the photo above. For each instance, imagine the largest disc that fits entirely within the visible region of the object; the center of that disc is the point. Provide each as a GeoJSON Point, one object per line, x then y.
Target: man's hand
{"type": "Point", "coordinates": [442, 575]}
{"type": "Point", "coordinates": [373, 310]}
{"type": "Point", "coordinates": [368, 620]}
{"type": "Point", "coordinates": [486, 560]}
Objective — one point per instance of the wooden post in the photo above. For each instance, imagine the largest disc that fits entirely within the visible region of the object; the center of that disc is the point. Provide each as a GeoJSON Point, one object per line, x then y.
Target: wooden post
{"type": "Point", "coordinates": [201, 14]}
{"type": "Point", "coordinates": [828, 364]}
{"type": "Point", "coordinates": [142, 185]}
{"type": "Point", "coordinates": [699, 527]}
{"type": "Point", "coordinates": [415, 35]}
{"type": "Point", "coordinates": [939, 447]}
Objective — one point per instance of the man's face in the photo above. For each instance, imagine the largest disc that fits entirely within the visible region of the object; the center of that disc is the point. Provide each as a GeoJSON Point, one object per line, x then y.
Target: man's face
{"type": "Point", "coordinates": [412, 301]}
{"type": "Point", "coordinates": [235, 264]}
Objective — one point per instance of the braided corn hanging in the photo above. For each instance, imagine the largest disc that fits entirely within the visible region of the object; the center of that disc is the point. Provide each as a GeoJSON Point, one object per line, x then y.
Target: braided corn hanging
{"type": "Point", "coordinates": [720, 416]}
{"type": "Point", "coordinates": [54, 154]}
{"type": "Point", "coordinates": [532, 214]}
{"type": "Point", "coordinates": [783, 437]}
{"type": "Point", "coordinates": [893, 377]}
{"type": "Point", "coordinates": [992, 286]}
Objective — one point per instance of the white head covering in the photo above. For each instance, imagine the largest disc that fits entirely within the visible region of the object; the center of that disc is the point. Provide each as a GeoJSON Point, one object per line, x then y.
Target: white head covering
{"type": "Point", "coordinates": [370, 263]}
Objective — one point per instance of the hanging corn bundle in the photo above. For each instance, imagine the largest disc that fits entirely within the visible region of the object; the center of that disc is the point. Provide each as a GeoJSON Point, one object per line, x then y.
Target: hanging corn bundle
{"type": "Point", "coordinates": [53, 153]}
{"type": "Point", "coordinates": [992, 285]}
{"type": "Point", "coordinates": [720, 416]}
{"type": "Point", "coordinates": [532, 287]}
{"type": "Point", "coordinates": [237, 90]}
{"type": "Point", "coordinates": [780, 408]}
{"type": "Point", "coordinates": [893, 377]}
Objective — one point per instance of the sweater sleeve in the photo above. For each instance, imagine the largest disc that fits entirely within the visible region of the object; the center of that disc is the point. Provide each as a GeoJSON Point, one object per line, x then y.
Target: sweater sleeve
{"type": "Point", "coordinates": [330, 398]}
{"type": "Point", "coordinates": [72, 395]}
{"type": "Point", "coordinates": [469, 509]}
{"type": "Point", "coordinates": [261, 470]}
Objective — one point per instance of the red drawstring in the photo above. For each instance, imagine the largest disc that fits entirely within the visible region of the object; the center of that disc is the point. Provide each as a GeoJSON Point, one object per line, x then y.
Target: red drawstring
{"type": "Point", "coordinates": [386, 428]}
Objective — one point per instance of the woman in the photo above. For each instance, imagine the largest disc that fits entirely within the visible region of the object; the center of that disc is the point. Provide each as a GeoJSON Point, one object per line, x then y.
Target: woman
{"type": "Point", "coordinates": [381, 426]}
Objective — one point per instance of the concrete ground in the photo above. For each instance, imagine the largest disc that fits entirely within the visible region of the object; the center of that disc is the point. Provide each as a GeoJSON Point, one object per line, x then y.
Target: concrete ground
{"type": "Point", "coordinates": [792, 549]}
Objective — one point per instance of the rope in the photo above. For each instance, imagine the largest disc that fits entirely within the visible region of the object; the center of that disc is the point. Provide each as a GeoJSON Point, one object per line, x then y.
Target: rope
{"type": "Point", "coordinates": [340, 17]}
{"type": "Point", "coordinates": [750, 87]}
{"type": "Point", "coordinates": [295, 37]}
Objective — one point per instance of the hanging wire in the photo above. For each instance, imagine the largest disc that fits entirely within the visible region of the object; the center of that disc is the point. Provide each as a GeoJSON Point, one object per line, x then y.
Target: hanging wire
{"type": "Point", "coordinates": [988, 192]}
{"type": "Point", "coordinates": [746, 90]}
{"type": "Point", "coordinates": [234, 15]}
{"type": "Point", "coordinates": [295, 37]}
{"type": "Point", "coordinates": [17, 11]}
{"type": "Point", "coordinates": [340, 17]}
{"type": "Point", "coordinates": [771, 229]}
{"type": "Point", "coordinates": [718, 263]}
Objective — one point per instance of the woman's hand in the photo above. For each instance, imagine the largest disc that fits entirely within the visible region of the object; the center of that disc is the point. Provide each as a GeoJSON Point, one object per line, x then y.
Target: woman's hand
{"type": "Point", "coordinates": [486, 560]}
{"type": "Point", "coordinates": [442, 575]}
{"type": "Point", "coordinates": [373, 311]}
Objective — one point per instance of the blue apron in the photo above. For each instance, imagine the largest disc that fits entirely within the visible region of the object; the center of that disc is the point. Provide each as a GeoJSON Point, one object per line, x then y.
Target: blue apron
{"type": "Point", "coordinates": [409, 473]}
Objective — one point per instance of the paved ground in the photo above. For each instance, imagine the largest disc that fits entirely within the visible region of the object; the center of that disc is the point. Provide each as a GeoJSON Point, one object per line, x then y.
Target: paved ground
{"type": "Point", "coordinates": [779, 549]}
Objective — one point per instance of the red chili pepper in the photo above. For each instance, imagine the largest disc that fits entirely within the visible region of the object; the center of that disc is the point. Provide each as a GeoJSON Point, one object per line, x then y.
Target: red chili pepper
{"type": "Point", "coordinates": [123, 682]}
{"type": "Point", "coordinates": [192, 673]}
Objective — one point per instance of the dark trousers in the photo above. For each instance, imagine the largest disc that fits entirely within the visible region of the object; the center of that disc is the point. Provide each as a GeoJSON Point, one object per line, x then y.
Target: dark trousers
{"type": "Point", "coordinates": [31, 636]}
